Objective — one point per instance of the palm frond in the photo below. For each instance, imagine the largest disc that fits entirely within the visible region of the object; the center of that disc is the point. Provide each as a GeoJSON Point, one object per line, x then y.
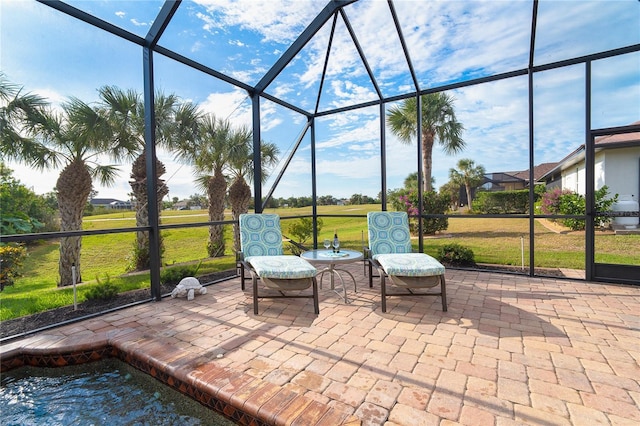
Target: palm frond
{"type": "Point", "coordinates": [105, 174]}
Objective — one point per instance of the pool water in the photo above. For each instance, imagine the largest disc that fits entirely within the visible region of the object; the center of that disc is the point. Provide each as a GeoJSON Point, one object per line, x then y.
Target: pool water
{"type": "Point", "coordinates": [107, 392]}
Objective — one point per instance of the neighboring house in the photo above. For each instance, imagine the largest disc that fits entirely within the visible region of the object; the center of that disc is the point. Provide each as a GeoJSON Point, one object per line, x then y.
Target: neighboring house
{"type": "Point", "coordinates": [512, 181]}
{"type": "Point", "coordinates": [180, 205]}
{"type": "Point", "coordinates": [111, 203]}
{"type": "Point", "coordinates": [507, 181]}
{"type": "Point", "coordinates": [186, 205]}
{"type": "Point", "coordinates": [617, 165]}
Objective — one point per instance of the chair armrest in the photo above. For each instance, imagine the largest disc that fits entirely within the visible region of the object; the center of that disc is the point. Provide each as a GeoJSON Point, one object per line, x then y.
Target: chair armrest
{"type": "Point", "coordinates": [246, 265]}
{"type": "Point", "coordinates": [296, 244]}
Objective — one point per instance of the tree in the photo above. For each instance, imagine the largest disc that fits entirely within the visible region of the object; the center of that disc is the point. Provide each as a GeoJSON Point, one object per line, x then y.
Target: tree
{"type": "Point", "coordinates": [411, 181]}
{"type": "Point", "coordinates": [175, 122]}
{"type": "Point", "coordinates": [452, 191]}
{"type": "Point", "coordinates": [72, 139]}
{"type": "Point", "coordinates": [439, 124]}
{"type": "Point", "coordinates": [22, 210]}
{"type": "Point", "coordinates": [209, 153]}
{"type": "Point", "coordinates": [469, 175]}
{"type": "Point", "coordinates": [241, 168]}
{"type": "Point", "coordinates": [21, 118]}
{"type": "Point", "coordinates": [361, 199]}
{"type": "Point", "coordinates": [80, 136]}
{"type": "Point", "coordinates": [356, 199]}
{"type": "Point", "coordinates": [327, 200]}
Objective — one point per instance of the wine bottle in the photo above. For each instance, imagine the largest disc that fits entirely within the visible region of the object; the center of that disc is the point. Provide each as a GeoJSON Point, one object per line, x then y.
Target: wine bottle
{"type": "Point", "coordinates": [336, 243]}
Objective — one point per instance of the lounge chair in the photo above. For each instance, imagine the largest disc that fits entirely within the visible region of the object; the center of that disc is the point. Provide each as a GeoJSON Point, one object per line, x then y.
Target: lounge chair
{"type": "Point", "coordinates": [391, 254]}
{"type": "Point", "coordinates": [262, 254]}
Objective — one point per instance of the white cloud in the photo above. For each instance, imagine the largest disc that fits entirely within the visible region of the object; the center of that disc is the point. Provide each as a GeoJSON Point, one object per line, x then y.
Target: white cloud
{"type": "Point", "coordinates": [138, 23]}
{"type": "Point", "coordinates": [197, 46]}
{"type": "Point", "coordinates": [234, 105]}
{"type": "Point", "coordinates": [55, 98]}
{"type": "Point", "coordinates": [356, 129]}
{"type": "Point", "coordinates": [265, 17]}
{"type": "Point", "coordinates": [346, 92]}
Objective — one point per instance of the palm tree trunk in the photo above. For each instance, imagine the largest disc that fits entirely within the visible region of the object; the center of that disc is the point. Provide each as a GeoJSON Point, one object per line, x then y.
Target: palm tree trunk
{"type": "Point", "coordinates": [138, 184]}
{"type": "Point", "coordinates": [74, 187]}
{"type": "Point", "coordinates": [427, 154]}
{"type": "Point", "coordinates": [216, 190]}
{"type": "Point", "coordinates": [240, 198]}
{"type": "Point", "coordinates": [468, 188]}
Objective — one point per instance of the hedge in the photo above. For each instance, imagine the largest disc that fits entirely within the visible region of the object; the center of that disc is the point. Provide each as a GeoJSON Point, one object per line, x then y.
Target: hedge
{"type": "Point", "coordinates": [502, 202]}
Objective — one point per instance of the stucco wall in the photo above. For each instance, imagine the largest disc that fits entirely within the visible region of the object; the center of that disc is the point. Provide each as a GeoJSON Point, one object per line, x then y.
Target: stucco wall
{"type": "Point", "coordinates": [622, 171]}
{"type": "Point", "coordinates": [617, 168]}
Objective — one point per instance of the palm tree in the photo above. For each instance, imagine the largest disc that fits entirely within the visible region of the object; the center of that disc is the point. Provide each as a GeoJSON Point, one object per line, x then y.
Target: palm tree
{"type": "Point", "coordinates": [411, 181]}
{"type": "Point", "coordinates": [438, 123]}
{"type": "Point", "coordinates": [469, 175]}
{"type": "Point", "coordinates": [175, 122]}
{"type": "Point", "coordinates": [209, 153]}
{"type": "Point", "coordinates": [74, 139]}
{"type": "Point", "coordinates": [241, 166]}
{"type": "Point", "coordinates": [21, 118]}
{"type": "Point", "coordinates": [84, 136]}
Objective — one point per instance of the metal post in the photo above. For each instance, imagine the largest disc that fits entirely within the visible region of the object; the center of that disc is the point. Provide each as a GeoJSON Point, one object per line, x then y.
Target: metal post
{"type": "Point", "coordinates": [589, 166]}
{"type": "Point", "coordinates": [257, 159]}
{"type": "Point", "coordinates": [75, 294]}
{"type": "Point", "coordinates": [152, 188]}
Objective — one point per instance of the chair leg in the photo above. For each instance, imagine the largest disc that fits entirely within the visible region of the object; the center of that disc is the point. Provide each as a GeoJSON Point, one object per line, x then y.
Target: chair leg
{"type": "Point", "coordinates": [316, 304]}
{"type": "Point", "coordinates": [383, 292]}
{"type": "Point", "coordinates": [443, 290]}
{"type": "Point", "coordinates": [255, 295]}
{"type": "Point", "coordinates": [242, 277]}
{"type": "Point", "coordinates": [370, 275]}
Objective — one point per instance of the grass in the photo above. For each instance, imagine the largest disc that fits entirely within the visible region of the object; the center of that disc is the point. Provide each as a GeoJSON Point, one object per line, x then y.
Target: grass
{"type": "Point", "coordinates": [494, 241]}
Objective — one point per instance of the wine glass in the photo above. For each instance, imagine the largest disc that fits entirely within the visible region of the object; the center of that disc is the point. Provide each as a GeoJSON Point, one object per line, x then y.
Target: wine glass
{"type": "Point", "coordinates": [327, 243]}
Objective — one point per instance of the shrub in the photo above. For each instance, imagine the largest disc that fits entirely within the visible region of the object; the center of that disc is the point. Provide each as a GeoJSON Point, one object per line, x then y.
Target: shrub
{"type": "Point", "coordinates": [11, 258]}
{"type": "Point", "coordinates": [175, 274]}
{"type": "Point", "coordinates": [456, 255]}
{"type": "Point", "coordinates": [567, 202]}
{"type": "Point", "coordinates": [550, 203]}
{"type": "Point", "coordinates": [104, 290]}
{"type": "Point", "coordinates": [604, 204]}
{"type": "Point", "coordinates": [502, 202]}
{"type": "Point", "coordinates": [133, 261]}
{"type": "Point", "coordinates": [302, 230]}
{"type": "Point", "coordinates": [572, 204]}
{"type": "Point", "coordinates": [433, 203]}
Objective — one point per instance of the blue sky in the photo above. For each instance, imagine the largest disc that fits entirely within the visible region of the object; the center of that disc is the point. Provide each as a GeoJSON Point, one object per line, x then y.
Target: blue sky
{"type": "Point", "coordinates": [55, 56]}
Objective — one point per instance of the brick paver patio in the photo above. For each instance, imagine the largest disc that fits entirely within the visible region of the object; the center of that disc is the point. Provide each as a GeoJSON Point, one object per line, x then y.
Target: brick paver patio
{"type": "Point", "coordinates": [511, 350]}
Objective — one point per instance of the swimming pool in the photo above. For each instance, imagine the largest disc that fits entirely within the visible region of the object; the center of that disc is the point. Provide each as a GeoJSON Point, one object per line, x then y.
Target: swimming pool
{"type": "Point", "coordinates": [105, 392]}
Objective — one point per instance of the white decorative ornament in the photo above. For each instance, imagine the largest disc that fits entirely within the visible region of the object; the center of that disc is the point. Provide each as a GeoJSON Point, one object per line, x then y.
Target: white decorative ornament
{"type": "Point", "coordinates": [188, 286]}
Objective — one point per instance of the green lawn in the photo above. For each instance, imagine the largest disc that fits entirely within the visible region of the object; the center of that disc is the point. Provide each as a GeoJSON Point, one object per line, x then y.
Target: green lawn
{"type": "Point", "coordinates": [495, 241]}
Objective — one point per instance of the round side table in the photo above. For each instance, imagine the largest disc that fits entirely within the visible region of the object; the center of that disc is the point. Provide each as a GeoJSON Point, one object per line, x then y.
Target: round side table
{"type": "Point", "coordinates": [332, 261]}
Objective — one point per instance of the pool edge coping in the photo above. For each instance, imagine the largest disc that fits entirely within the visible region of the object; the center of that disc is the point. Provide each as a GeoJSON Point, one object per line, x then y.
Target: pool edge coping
{"type": "Point", "coordinates": [240, 397]}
